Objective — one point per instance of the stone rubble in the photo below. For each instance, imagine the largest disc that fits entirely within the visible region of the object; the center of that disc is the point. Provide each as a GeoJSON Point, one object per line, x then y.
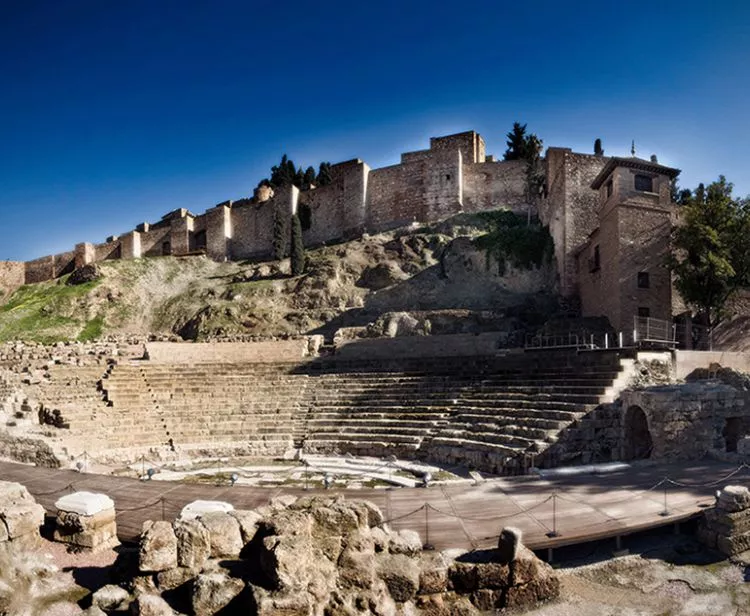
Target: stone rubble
{"type": "Point", "coordinates": [321, 555]}
{"type": "Point", "coordinates": [86, 520]}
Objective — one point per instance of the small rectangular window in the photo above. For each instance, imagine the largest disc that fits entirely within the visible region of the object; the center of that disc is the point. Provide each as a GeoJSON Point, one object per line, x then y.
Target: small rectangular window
{"type": "Point", "coordinates": [595, 260]}
{"type": "Point", "coordinates": [643, 280]}
{"type": "Point", "coordinates": [644, 312]}
{"type": "Point", "coordinates": [644, 183]}
{"type": "Point", "coordinates": [448, 176]}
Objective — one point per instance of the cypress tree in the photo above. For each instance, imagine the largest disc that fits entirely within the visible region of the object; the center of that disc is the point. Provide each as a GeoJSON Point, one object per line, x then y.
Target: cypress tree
{"type": "Point", "coordinates": [278, 242]}
{"type": "Point", "coordinates": [298, 248]}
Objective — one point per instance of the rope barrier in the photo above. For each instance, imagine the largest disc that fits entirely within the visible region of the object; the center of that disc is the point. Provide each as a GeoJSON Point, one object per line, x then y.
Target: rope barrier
{"type": "Point", "coordinates": [490, 519]}
{"type": "Point", "coordinates": [406, 515]}
{"type": "Point", "coordinates": [67, 487]}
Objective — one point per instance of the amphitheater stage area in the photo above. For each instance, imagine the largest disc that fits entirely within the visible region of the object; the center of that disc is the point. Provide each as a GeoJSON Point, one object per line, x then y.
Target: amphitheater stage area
{"type": "Point", "coordinates": [579, 507]}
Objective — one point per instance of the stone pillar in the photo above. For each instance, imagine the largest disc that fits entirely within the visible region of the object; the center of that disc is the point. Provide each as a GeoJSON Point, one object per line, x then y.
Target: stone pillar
{"type": "Point", "coordinates": [85, 253]}
{"type": "Point", "coordinates": [726, 527]}
{"type": "Point", "coordinates": [179, 234]}
{"type": "Point", "coordinates": [131, 245]}
{"type": "Point", "coordinates": [219, 232]}
{"type": "Point", "coordinates": [86, 520]}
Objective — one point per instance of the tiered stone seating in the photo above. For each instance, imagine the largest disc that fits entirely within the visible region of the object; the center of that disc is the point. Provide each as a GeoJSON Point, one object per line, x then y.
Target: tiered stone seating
{"type": "Point", "coordinates": [207, 409]}
{"type": "Point", "coordinates": [487, 414]}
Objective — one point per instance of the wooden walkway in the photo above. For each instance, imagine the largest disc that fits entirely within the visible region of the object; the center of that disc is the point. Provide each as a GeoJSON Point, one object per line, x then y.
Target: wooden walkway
{"type": "Point", "coordinates": [579, 508]}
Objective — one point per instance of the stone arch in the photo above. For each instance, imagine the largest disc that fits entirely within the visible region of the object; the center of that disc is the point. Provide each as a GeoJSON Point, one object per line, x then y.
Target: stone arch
{"type": "Point", "coordinates": [733, 431]}
{"type": "Point", "coordinates": [637, 444]}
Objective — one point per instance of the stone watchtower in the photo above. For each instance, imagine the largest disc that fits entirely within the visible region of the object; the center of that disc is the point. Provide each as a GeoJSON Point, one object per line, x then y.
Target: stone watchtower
{"type": "Point", "coordinates": [622, 272]}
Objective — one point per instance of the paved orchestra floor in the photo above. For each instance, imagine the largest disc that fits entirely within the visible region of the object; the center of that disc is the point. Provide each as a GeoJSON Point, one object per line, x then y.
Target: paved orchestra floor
{"type": "Point", "coordinates": [577, 507]}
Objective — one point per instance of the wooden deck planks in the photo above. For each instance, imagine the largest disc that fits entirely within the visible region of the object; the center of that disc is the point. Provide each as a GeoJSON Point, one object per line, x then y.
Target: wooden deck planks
{"type": "Point", "coordinates": [465, 516]}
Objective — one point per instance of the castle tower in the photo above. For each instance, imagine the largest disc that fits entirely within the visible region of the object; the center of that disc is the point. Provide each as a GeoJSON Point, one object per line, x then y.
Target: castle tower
{"type": "Point", "coordinates": [622, 270]}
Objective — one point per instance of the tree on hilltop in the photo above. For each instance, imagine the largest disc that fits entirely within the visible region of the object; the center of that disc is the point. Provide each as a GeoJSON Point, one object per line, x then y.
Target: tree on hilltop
{"type": "Point", "coordinates": [516, 142]}
{"type": "Point", "coordinates": [324, 174]}
{"type": "Point", "coordinates": [598, 150]}
{"type": "Point", "coordinates": [709, 256]}
{"type": "Point", "coordinates": [279, 237]}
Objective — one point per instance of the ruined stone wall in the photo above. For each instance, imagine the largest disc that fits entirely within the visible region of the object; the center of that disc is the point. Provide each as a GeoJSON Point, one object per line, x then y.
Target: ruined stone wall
{"type": "Point", "coordinates": [12, 276]}
{"type": "Point", "coordinates": [219, 232]}
{"type": "Point", "coordinates": [687, 421]}
{"type": "Point", "coordinates": [336, 210]}
{"type": "Point", "coordinates": [488, 186]}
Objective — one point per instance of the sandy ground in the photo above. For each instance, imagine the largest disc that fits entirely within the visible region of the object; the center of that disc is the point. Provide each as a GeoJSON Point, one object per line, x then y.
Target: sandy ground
{"type": "Point", "coordinates": [669, 575]}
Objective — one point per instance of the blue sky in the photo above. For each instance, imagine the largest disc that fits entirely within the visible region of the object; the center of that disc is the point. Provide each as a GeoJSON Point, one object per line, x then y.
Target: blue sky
{"type": "Point", "coordinates": [115, 112]}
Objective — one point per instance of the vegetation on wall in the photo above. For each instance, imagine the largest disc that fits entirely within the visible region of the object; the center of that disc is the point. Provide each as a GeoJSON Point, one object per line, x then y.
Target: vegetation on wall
{"type": "Point", "coordinates": [511, 239]}
{"type": "Point", "coordinates": [528, 148]}
{"type": "Point", "coordinates": [709, 255]}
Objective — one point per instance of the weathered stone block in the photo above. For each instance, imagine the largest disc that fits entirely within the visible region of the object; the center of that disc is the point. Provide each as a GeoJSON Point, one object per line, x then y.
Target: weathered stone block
{"type": "Point", "coordinates": [214, 591]}
{"type": "Point", "coordinates": [225, 535]}
{"type": "Point", "coordinates": [193, 543]}
{"type": "Point", "coordinates": [508, 544]}
{"type": "Point", "coordinates": [158, 549]}
{"type": "Point", "coordinates": [400, 574]}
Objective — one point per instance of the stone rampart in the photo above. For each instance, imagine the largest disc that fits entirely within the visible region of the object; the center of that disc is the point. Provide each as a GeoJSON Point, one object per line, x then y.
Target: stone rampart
{"type": "Point", "coordinates": [686, 362]}
{"type": "Point", "coordinates": [12, 276]}
{"type": "Point", "coordinates": [451, 345]}
{"type": "Point", "coordinates": [228, 352]}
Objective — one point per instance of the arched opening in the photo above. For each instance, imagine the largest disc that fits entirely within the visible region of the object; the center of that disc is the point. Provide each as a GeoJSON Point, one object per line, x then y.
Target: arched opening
{"type": "Point", "coordinates": [732, 432]}
{"type": "Point", "coordinates": [638, 443]}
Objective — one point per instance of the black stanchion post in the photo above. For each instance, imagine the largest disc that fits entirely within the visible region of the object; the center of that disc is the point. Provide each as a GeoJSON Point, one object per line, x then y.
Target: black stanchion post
{"type": "Point", "coordinates": [666, 510]}
{"type": "Point", "coordinates": [427, 545]}
{"type": "Point", "coordinates": [162, 509]}
{"type": "Point", "coordinates": [553, 532]}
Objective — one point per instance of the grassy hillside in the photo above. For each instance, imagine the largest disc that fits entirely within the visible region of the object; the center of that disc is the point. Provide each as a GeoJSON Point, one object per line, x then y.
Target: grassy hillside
{"type": "Point", "coordinates": [441, 267]}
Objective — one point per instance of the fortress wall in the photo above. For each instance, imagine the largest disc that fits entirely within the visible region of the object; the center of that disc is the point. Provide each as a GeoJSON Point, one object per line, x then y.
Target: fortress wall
{"type": "Point", "coordinates": [395, 196]}
{"type": "Point", "coordinates": [153, 240]}
{"type": "Point", "coordinates": [179, 235]}
{"type": "Point", "coordinates": [337, 209]}
{"type": "Point", "coordinates": [442, 185]}
{"type": "Point", "coordinates": [252, 224]}
{"type": "Point", "coordinates": [570, 209]}
{"type": "Point", "coordinates": [130, 244]}
{"type": "Point", "coordinates": [64, 263]}
{"type": "Point", "coordinates": [40, 269]}
{"type": "Point", "coordinates": [85, 253]}
{"type": "Point", "coordinates": [107, 250]}
{"type": "Point", "coordinates": [12, 276]}
{"type": "Point", "coordinates": [470, 144]}
{"type": "Point", "coordinates": [292, 351]}
{"type": "Point", "coordinates": [581, 207]}
{"type": "Point", "coordinates": [450, 345]}
{"type": "Point", "coordinates": [219, 232]}
{"type": "Point", "coordinates": [494, 185]}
